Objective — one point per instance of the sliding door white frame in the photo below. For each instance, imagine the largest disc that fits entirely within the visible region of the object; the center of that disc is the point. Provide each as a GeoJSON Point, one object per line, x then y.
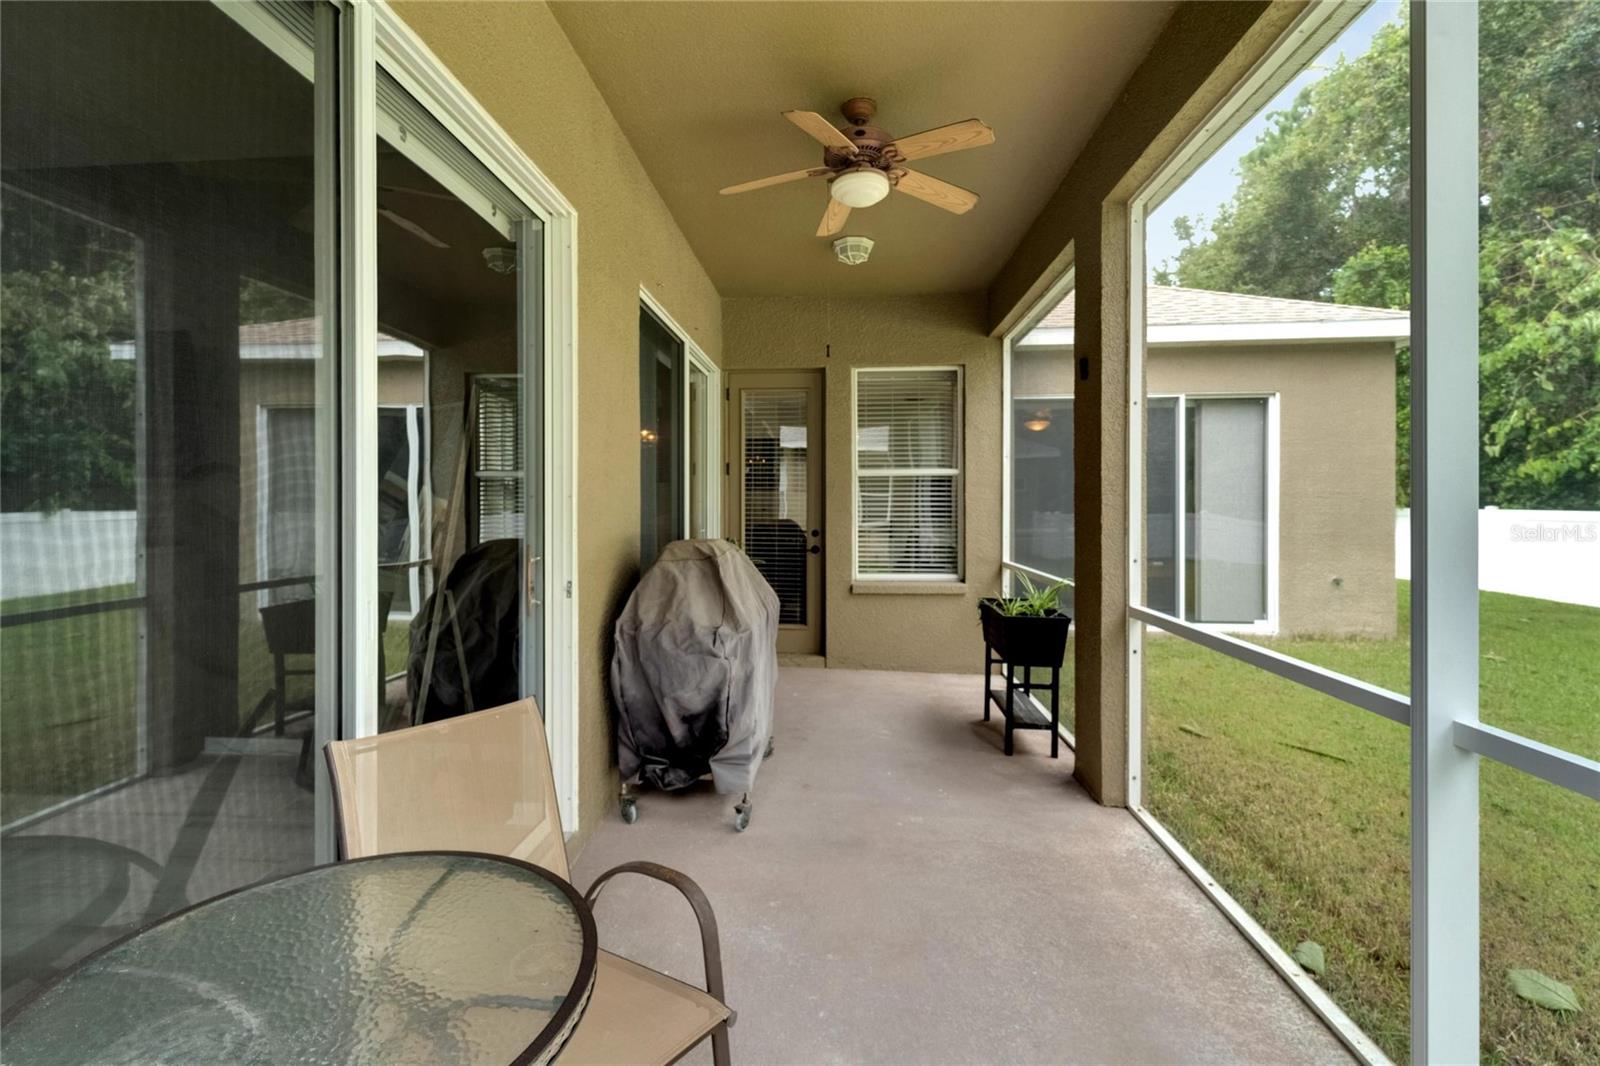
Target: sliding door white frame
{"type": "Point", "coordinates": [411, 63]}
{"type": "Point", "coordinates": [369, 35]}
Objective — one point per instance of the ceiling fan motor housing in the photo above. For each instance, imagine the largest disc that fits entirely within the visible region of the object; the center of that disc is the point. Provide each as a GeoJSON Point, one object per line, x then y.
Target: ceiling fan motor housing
{"type": "Point", "coordinates": [871, 149]}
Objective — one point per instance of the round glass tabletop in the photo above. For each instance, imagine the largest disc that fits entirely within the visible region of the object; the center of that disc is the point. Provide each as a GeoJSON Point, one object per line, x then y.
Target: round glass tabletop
{"type": "Point", "coordinates": [423, 957]}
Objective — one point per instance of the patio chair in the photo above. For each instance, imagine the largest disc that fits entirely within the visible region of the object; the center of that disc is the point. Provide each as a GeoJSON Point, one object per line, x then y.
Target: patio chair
{"type": "Point", "coordinates": [482, 782]}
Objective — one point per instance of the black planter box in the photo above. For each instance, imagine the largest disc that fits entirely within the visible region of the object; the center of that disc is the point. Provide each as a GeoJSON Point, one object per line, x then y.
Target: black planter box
{"type": "Point", "coordinates": [1024, 640]}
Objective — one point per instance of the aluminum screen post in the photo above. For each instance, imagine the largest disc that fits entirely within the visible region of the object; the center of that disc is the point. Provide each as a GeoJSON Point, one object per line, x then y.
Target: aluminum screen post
{"type": "Point", "coordinates": [358, 361]}
{"type": "Point", "coordinates": [1444, 531]}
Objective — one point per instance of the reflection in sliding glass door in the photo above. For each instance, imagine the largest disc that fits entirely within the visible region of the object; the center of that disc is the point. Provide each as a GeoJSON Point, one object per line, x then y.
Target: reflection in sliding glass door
{"type": "Point", "coordinates": [163, 534]}
{"type": "Point", "coordinates": [454, 342]}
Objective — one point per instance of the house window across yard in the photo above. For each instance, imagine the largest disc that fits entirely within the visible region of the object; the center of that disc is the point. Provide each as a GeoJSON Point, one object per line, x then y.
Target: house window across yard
{"type": "Point", "coordinates": [1209, 500]}
{"type": "Point", "coordinates": [907, 445]}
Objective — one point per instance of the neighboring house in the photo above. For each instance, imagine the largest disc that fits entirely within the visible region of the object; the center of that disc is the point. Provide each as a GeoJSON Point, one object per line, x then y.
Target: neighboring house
{"type": "Point", "coordinates": [1271, 429]}
{"type": "Point", "coordinates": [277, 459]}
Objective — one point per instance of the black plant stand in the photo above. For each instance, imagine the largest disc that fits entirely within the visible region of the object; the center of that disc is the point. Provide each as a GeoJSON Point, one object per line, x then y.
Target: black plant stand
{"type": "Point", "coordinates": [1022, 714]}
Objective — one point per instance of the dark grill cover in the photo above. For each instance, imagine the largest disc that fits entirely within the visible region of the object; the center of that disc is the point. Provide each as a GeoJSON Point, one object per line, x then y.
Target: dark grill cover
{"type": "Point", "coordinates": [695, 668]}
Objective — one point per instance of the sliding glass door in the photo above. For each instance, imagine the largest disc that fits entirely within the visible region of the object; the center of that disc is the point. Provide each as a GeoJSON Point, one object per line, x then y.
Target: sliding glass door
{"type": "Point", "coordinates": [1225, 494]}
{"type": "Point", "coordinates": [272, 465]}
{"type": "Point", "coordinates": [457, 580]}
{"type": "Point", "coordinates": [661, 480]}
{"type": "Point", "coordinates": [165, 476]}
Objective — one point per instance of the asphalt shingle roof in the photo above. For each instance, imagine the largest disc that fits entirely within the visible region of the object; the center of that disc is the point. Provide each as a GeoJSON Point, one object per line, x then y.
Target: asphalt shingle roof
{"type": "Point", "coordinates": [1169, 305]}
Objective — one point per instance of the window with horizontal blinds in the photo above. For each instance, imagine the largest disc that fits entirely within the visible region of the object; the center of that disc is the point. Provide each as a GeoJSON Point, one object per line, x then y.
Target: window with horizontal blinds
{"type": "Point", "coordinates": [908, 474]}
{"type": "Point", "coordinates": [497, 458]}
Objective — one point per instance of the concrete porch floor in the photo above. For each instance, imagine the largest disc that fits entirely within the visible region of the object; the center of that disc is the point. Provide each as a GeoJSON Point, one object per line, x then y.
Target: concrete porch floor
{"type": "Point", "coordinates": [906, 893]}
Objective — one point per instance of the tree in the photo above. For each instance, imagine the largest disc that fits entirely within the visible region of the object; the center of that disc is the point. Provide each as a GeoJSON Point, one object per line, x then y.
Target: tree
{"type": "Point", "coordinates": [66, 397]}
{"type": "Point", "coordinates": [1322, 211]}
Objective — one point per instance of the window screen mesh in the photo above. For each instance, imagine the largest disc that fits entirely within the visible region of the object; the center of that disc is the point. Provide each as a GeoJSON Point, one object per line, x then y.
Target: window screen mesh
{"type": "Point", "coordinates": [908, 473]}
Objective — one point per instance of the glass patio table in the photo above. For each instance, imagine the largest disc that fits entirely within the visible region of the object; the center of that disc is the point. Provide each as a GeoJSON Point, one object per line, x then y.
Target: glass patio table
{"type": "Point", "coordinates": [419, 957]}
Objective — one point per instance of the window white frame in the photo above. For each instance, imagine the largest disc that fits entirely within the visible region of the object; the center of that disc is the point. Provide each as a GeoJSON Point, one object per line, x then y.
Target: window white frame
{"type": "Point", "coordinates": [369, 35]}
{"type": "Point", "coordinates": [710, 441]}
{"type": "Point", "coordinates": [1447, 739]}
{"type": "Point", "coordinates": [956, 473]}
{"type": "Point", "coordinates": [1269, 624]}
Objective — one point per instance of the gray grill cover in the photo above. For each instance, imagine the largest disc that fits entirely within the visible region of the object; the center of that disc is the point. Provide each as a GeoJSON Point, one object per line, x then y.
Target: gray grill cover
{"type": "Point", "coordinates": [695, 668]}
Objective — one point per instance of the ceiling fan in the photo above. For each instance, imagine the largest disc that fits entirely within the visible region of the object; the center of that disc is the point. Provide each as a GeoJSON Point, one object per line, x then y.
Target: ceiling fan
{"type": "Point", "coordinates": [863, 162]}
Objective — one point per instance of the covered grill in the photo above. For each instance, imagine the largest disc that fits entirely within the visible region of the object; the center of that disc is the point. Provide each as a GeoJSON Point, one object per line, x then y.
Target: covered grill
{"type": "Point", "coordinates": [694, 672]}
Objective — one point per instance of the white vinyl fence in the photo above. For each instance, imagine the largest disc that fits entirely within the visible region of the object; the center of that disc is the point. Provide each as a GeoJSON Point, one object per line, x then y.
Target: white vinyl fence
{"type": "Point", "coordinates": [46, 554]}
{"type": "Point", "coordinates": [1548, 555]}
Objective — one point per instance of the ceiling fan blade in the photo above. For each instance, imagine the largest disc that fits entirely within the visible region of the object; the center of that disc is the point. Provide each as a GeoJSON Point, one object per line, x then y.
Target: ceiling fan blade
{"type": "Point", "coordinates": [776, 179]}
{"type": "Point", "coordinates": [822, 130]}
{"type": "Point", "coordinates": [972, 133]}
{"type": "Point", "coordinates": [411, 227]}
{"type": "Point", "coordinates": [952, 198]}
{"type": "Point", "coordinates": [833, 218]}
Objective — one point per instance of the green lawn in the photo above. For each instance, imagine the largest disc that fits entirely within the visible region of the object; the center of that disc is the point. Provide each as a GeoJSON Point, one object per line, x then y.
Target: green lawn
{"type": "Point", "coordinates": [1298, 805]}
{"type": "Point", "coordinates": [68, 695]}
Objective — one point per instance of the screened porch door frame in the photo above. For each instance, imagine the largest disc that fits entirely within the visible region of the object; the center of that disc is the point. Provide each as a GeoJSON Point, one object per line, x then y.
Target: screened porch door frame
{"type": "Point", "coordinates": [793, 638]}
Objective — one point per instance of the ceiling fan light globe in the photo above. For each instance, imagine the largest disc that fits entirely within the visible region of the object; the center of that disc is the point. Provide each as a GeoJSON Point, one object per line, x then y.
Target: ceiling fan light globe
{"type": "Point", "coordinates": [860, 188]}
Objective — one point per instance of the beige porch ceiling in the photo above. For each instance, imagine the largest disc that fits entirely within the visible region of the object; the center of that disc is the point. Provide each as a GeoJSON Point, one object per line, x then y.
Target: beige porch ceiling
{"type": "Point", "coordinates": [698, 87]}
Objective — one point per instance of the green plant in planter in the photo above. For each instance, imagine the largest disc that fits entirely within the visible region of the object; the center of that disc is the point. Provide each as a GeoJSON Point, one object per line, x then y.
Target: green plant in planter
{"type": "Point", "coordinates": [1035, 602]}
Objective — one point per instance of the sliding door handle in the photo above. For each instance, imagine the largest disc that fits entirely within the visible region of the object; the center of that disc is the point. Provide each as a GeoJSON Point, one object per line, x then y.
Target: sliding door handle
{"type": "Point", "coordinates": [531, 586]}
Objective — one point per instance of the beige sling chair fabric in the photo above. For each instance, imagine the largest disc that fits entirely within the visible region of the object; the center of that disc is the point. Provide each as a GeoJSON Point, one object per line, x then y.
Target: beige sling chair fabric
{"type": "Point", "coordinates": [482, 782]}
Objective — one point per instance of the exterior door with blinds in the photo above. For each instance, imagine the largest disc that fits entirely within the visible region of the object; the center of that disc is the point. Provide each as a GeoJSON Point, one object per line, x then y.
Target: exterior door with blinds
{"type": "Point", "coordinates": [775, 486]}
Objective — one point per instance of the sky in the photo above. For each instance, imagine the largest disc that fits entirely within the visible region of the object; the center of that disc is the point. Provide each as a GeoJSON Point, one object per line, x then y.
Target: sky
{"type": "Point", "coordinates": [1213, 184]}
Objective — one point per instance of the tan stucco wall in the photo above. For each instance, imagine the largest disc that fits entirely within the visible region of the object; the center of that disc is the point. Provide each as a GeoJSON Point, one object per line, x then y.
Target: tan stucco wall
{"type": "Point", "coordinates": [519, 64]}
{"type": "Point", "coordinates": [903, 630]}
{"type": "Point", "coordinates": [1336, 474]}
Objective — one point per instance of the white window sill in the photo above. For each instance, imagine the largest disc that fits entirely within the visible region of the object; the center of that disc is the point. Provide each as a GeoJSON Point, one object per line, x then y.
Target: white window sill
{"type": "Point", "coordinates": [908, 588]}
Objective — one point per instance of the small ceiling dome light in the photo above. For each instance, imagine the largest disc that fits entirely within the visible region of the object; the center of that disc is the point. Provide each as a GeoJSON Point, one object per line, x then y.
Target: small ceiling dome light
{"type": "Point", "coordinates": [852, 251]}
{"type": "Point", "coordinates": [1038, 423]}
{"type": "Point", "coordinates": [861, 187]}
{"type": "Point", "coordinates": [501, 260]}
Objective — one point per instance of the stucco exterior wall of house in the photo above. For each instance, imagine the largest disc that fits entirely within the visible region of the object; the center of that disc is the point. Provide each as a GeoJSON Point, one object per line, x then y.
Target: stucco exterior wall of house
{"type": "Point", "coordinates": [889, 626]}
{"type": "Point", "coordinates": [1336, 465]}
{"type": "Point", "coordinates": [519, 64]}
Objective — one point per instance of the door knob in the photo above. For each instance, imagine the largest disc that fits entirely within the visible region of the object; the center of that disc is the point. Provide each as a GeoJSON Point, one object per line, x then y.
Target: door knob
{"type": "Point", "coordinates": [816, 532]}
{"type": "Point", "coordinates": [815, 549]}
